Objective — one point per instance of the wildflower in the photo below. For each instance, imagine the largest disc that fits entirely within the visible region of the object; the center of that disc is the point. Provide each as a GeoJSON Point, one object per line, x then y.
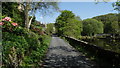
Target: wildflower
{"type": "Point", "coordinates": [1, 23]}
{"type": "Point", "coordinates": [14, 24]}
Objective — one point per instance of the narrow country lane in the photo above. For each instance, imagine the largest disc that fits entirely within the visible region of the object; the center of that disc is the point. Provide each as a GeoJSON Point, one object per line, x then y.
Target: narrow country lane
{"type": "Point", "coordinates": [61, 54]}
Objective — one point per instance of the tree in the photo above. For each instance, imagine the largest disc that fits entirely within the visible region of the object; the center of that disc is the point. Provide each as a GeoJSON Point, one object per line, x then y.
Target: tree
{"type": "Point", "coordinates": [116, 4]}
{"type": "Point", "coordinates": [115, 27]}
{"type": "Point", "coordinates": [110, 21]}
{"type": "Point", "coordinates": [78, 18]}
{"type": "Point", "coordinates": [92, 27]}
{"type": "Point", "coordinates": [30, 8]}
{"type": "Point", "coordinates": [68, 24]}
{"type": "Point", "coordinates": [62, 20]}
{"type": "Point", "coordinates": [13, 12]}
{"type": "Point", "coordinates": [73, 28]}
{"type": "Point", "coordinates": [50, 28]}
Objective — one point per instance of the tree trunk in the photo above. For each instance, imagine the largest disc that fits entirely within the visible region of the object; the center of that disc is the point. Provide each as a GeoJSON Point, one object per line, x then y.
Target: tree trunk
{"type": "Point", "coordinates": [26, 15]}
{"type": "Point", "coordinates": [27, 21]}
{"type": "Point", "coordinates": [30, 22]}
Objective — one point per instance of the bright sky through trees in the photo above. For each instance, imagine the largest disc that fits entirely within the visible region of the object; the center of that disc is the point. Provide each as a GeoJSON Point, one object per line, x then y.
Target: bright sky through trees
{"type": "Point", "coordinates": [83, 9]}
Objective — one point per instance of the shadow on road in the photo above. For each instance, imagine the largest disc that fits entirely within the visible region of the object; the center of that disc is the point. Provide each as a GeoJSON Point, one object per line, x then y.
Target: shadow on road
{"type": "Point", "coordinates": [61, 54]}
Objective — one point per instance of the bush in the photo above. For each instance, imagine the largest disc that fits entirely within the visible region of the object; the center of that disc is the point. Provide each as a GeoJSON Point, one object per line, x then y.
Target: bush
{"type": "Point", "coordinates": [37, 29]}
{"type": "Point", "coordinates": [8, 25]}
{"type": "Point", "coordinates": [23, 47]}
{"type": "Point", "coordinates": [14, 48]}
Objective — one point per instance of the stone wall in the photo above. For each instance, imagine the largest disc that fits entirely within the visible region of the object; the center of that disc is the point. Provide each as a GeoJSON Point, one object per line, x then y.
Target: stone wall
{"type": "Point", "coordinates": [100, 52]}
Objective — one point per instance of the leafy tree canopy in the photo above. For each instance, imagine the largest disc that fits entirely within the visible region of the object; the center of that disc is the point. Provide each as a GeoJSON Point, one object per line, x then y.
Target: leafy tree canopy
{"type": "Point", "coordinates": [111, 22]}
{"type": "Point", "coordinates": [92, 27]}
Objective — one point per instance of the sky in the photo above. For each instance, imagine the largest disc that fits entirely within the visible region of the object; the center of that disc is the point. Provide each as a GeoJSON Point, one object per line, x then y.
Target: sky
{"type": "Point", "coordinates": [83, 9]}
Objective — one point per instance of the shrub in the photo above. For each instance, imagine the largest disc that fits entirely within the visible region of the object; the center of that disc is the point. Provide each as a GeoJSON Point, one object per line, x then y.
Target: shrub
{"type": "Point", "coordinates": [8, 24]}
{"type": "Point", "coordinates": [37, 29]}
{"type": "Point", "coordinates": [22, 47]}
{"type": "Point", "coordinates": [14, 48]}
